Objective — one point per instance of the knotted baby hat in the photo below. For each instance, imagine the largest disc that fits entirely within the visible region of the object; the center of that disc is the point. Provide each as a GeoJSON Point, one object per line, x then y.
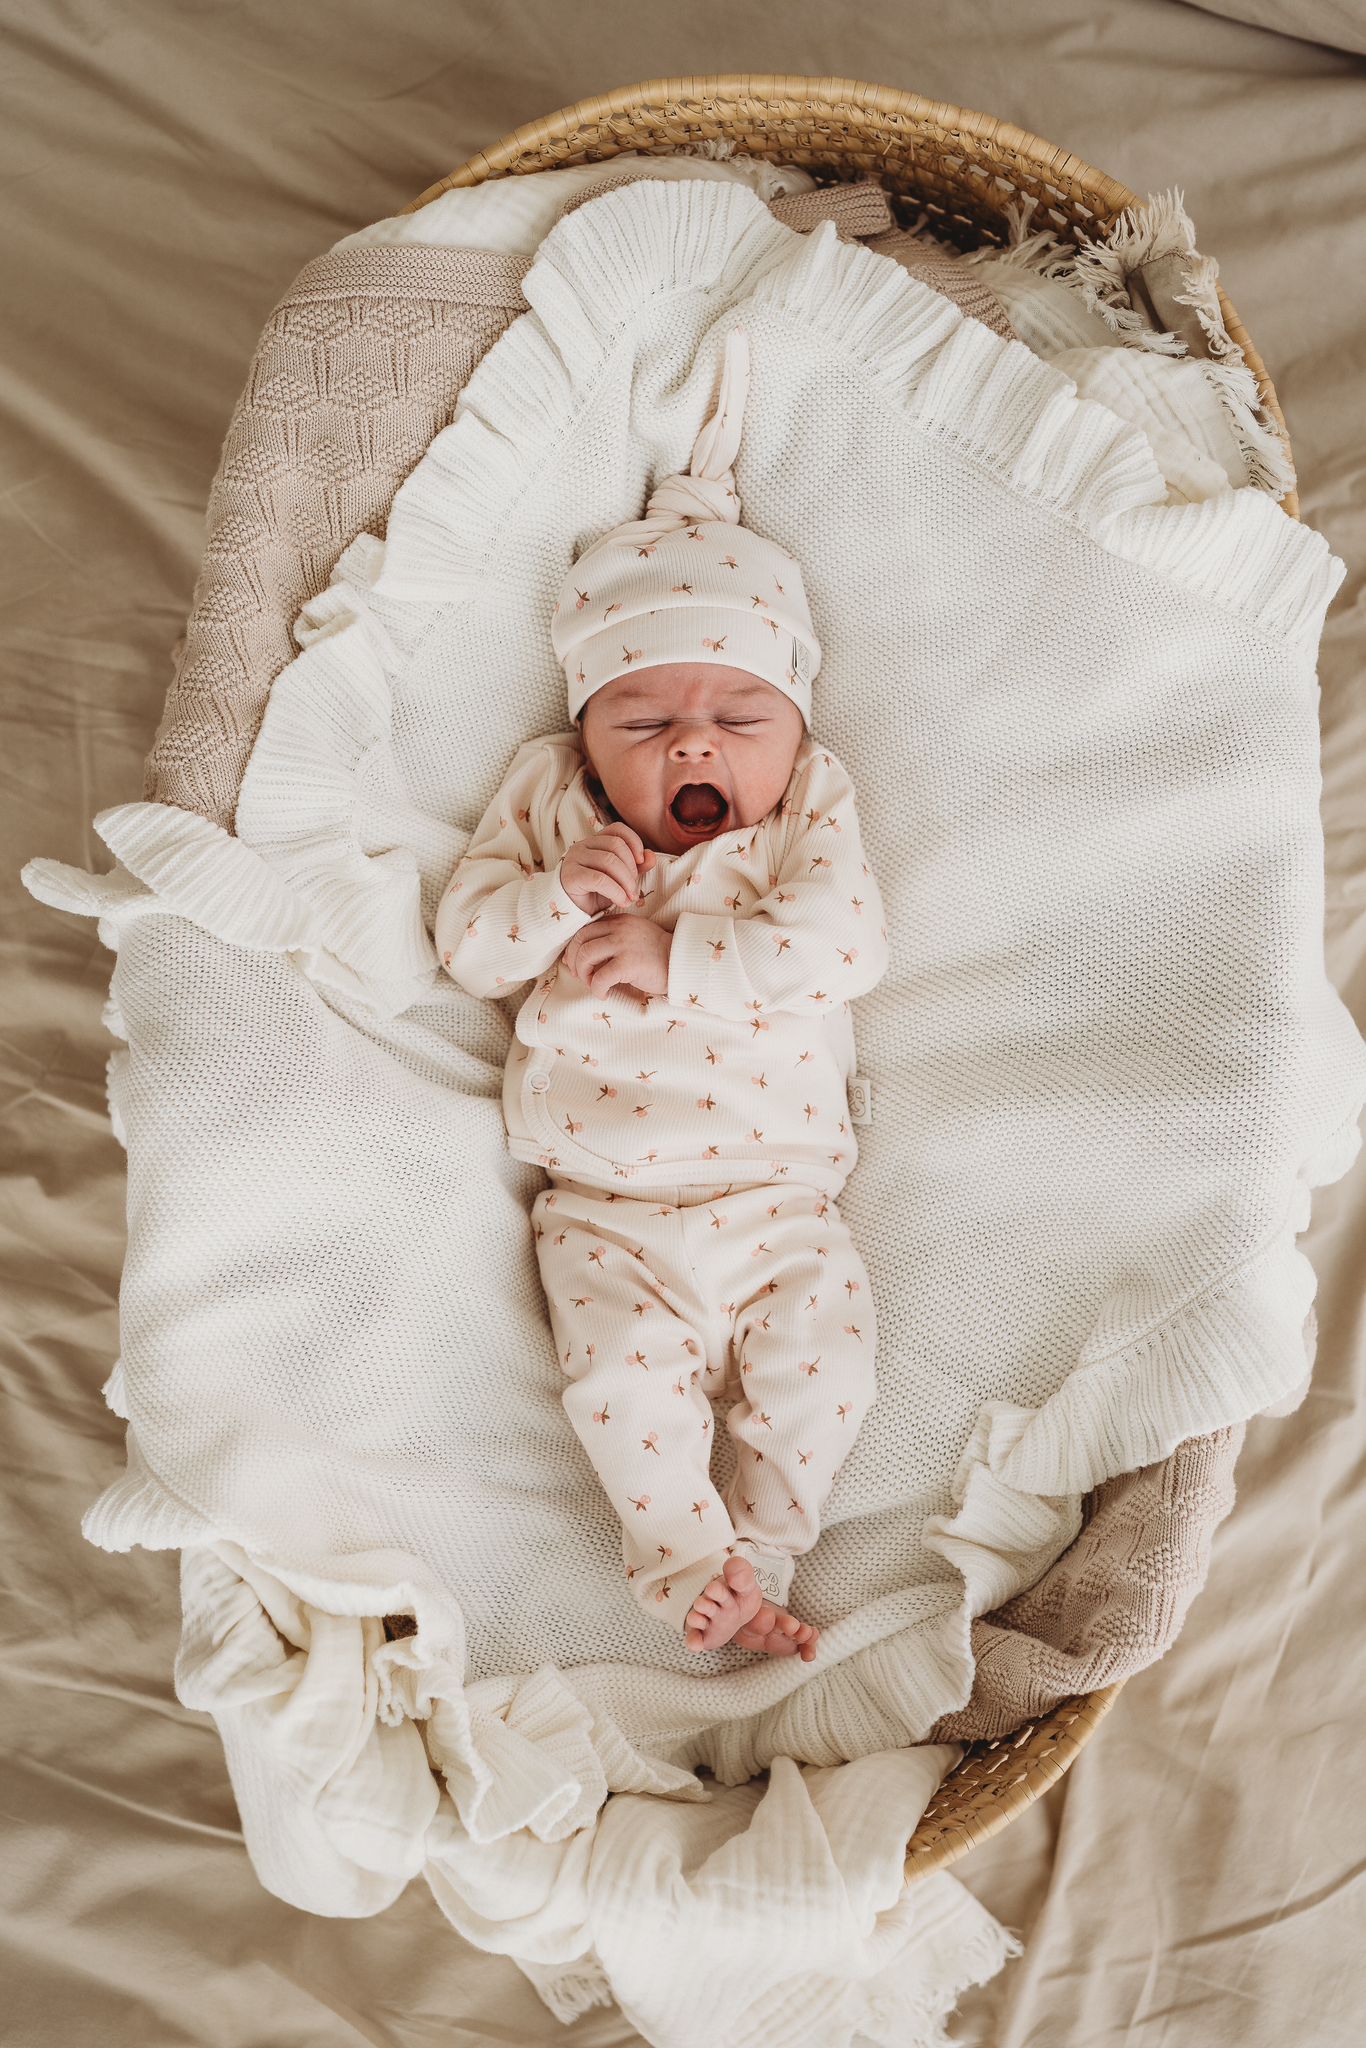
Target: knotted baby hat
{"type": "Point", "coordinates": [688, 582]}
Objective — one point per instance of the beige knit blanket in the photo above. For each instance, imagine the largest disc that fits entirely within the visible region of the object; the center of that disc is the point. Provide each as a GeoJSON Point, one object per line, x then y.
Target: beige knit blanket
{"type": "Point", "coordinates": [358, 367]}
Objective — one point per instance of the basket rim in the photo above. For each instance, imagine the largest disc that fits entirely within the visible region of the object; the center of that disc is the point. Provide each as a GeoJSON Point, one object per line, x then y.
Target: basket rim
{"type": "Point", "coordinates": [1049, 1744]}
{"type": "Point", "coordinates": [790, 88]}
{"type": "Point", "coordinates": [831, 94]}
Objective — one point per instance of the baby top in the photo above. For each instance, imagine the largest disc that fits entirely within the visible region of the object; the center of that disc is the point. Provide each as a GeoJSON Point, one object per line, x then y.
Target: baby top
{"type": "Point", "coordinates": [740, 1073]}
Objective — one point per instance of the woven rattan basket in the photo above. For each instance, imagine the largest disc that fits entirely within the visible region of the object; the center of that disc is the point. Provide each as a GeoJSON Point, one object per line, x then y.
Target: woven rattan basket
{"type": "Point", "coordinates": [961, 168]}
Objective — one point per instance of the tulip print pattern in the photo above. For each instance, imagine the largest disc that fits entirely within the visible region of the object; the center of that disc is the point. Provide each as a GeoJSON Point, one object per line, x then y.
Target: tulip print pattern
{"type": "Point", "coordinates": [744, 1291]}
{"type": "Point", "coordinates": [740, 1068]}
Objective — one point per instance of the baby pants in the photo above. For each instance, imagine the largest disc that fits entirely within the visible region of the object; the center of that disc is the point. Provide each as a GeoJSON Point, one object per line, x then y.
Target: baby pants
{"type": "Point", "coordinates": [751, 1295]}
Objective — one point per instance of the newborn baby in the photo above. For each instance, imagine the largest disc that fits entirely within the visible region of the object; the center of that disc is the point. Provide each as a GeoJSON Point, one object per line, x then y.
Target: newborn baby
{"type": "Point", "coordinates": [682, 878]}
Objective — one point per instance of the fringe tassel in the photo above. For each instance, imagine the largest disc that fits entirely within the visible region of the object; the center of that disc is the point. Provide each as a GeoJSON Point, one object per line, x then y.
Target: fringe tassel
{"type": "Point", "coordinates": [1100, 270]}
{"type": "Point", "coordinates": [718, 147]}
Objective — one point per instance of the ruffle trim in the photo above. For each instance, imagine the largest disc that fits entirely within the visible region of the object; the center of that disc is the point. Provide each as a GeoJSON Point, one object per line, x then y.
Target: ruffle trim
{"type": "Point", "coordinates": [1099, 273]}
{"type": "Point", "coordinates": [352, 921]}
{"type": "Point", "coordinates": [115, 1392]}
{"type": "Point", "coordinates": [604, 265]}
{"type": "Point", "coordinates": [607, 264]}
{"type": "Point", "coordinates": [295, 876]}
{"type": "Point", "coordinates": [1234, 1350]}
{"type": "Point", "coordinates": [302, 789]}
{"type": "Point", "coordinates": [528, 1753]}
{"type": "Point", "coordinates": [190, 866]}
{"type": "Point", "coordinates": [333, 1732]}
{"type": "Point", "coordinates": [137, 1510]}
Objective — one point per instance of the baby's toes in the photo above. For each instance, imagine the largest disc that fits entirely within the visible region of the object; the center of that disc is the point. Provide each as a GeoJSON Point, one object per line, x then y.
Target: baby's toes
{"type": "Point", "coordinates": [780, 1644]}
{"type": "Point", "coordinates": [738, 1573]}
{"type": "Point", "coordinates": [713, 1599]}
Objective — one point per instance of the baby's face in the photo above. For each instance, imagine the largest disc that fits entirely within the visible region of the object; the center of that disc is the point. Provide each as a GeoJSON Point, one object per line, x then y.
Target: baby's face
{"type": "Point", "coordinates": [685, 750]}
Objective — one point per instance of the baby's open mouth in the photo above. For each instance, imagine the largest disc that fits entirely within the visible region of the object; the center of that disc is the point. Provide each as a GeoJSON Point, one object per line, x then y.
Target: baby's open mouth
{"type": "Point", "coordinates": [699, 809]}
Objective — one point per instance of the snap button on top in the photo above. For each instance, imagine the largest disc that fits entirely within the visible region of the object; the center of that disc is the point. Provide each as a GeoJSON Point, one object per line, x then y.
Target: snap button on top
{"type": "Point", "coordinates": [539, 1083]}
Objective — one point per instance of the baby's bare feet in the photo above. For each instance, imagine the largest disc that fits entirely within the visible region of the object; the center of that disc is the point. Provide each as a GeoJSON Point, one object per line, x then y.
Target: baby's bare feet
{"type": "Point", "coordinates": [732, 1609]}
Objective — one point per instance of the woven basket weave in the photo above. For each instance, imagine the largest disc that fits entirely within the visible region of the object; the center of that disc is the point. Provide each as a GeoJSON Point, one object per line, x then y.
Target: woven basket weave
{"type": "Point", "coordinates": [961, 168]}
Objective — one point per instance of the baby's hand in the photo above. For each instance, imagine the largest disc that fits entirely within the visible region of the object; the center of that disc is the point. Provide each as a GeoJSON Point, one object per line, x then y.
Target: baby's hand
{"type": "Point", "coordinates": [613, 951]}
{"type": "Point", "coordinates": [603, 872]}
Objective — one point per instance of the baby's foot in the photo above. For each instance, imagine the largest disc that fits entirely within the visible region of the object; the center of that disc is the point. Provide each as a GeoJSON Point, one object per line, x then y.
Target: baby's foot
{"type": "Point", "coordinates": [732, 1609]}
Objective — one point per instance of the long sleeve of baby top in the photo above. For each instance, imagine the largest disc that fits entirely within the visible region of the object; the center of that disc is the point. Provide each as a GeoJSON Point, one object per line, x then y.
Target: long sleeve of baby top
{"type": "Point", "coordinates": [816, 939]}
{"type": "Point", "coordinates": [738, 1074]}
{"type": "Point", "coordinates": [505, 915]}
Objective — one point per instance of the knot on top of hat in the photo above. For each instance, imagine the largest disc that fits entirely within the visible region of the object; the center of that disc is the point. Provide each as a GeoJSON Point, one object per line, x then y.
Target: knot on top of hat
{"type": "Point", "coordinates": [689, 583]}
{"type": "Point", "coordinates": [706, 489]}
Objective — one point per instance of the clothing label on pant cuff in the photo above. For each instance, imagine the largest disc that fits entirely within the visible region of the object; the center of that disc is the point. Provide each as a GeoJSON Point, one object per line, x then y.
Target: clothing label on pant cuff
{"type": "Point", "coordinates": [770, 1581]}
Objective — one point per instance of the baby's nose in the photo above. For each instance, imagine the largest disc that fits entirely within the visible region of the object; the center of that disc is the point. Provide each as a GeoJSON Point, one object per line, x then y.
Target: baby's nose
{"type": "Point", "coordinates": [696, 744]}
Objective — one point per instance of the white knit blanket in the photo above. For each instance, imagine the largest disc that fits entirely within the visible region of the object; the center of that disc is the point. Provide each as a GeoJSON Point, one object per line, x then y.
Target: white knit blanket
{"type": "Point", "coordinates": [1106, 1069]}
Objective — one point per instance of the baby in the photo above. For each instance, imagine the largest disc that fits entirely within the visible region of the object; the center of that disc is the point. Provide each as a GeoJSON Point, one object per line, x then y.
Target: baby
{"type": "Point", "coordinates": [682, 878]}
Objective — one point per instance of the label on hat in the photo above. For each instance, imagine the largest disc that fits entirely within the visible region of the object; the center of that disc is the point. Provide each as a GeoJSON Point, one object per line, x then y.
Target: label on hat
{"type": "Point", "coordinates": [801, 661]}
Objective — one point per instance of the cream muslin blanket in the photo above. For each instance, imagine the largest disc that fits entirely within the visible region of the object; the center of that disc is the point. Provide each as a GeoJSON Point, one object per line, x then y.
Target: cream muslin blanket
{"type": "Point", "coordinates": [1107, 1068]}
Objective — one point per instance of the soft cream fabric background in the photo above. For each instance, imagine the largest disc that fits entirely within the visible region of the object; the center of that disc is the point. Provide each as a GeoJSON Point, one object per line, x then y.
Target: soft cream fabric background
{"type": "Point", "coordinates": [167, 168]}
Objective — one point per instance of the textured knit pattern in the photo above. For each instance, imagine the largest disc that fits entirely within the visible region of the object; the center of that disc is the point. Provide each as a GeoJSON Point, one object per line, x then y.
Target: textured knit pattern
{"type": "Point", "coordinates": [921, 256]}
{"type": "Point", "coordinates": [859, 210]}
{"type": "Point", "coordinates": [750, 1297]}
{"type": "Point", "coordinates": [1114, 1602]}
{"type": "Point", "coordinates": [359, 365]}
{"type": "Point", "coordinates": [740, 1070]}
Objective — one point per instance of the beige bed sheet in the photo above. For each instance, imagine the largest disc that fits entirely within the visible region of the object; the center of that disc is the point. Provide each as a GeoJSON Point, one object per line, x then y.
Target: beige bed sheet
{"type": "Point", "coordinates": [1196, 1879]}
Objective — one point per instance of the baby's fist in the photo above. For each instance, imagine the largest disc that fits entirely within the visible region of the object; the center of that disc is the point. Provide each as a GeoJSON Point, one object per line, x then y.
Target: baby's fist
{"type": "Point", "coordinates": [613, 952]}
{"type": "Point", "coordinates": [603, 872]}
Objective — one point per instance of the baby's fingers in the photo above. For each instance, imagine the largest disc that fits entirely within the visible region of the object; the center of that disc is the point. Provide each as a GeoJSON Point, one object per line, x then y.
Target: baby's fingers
{"type": "Point", "coordinates": [612, 869]}
{"type": "Point", "coordinates": [588, 949]}
{"type": "Point", "coordinates": [603, 975]}
{"type": "Point", "coordinates": [635, 845]}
